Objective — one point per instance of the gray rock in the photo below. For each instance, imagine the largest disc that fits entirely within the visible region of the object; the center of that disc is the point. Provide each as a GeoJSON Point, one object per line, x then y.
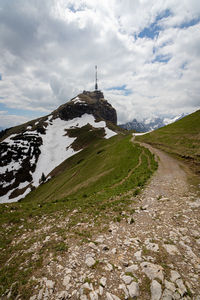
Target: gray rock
{"type": "Point", "coordinates": [110, 296]}
{"type": "Point", "coordinates": [90, 261]}
{"type": "Point", "coordinates": [40, 295]}
{"type": "Point", "coordinates": [109, 267]}
{"type": "Point", "coordinates": [167, 295]}
{"type": "Point", "coordinates": [156, 290]}
{"type": "Point", "coordinates": [152, 271]}
{"type": "Point", "coordinates": [133, 289]}
{"type": "Point", "coordinates": [100, 290]}
{"type": "Point", "coordinates": [195, 233]}
{"type": "Point", "coordinates": [127, 279]}
{"type": "Point", "coordinates": [33, 297]}
{"type": "Point", "coordinates": [50, 284]}
{"type": "Point", "coordinates": [103, 281]}
{"type": "Point", "coordinates": [123, 287]}
{"type": "Point", "coordinates": [138, 255]}
{"type": "Point", "coordinates": [62, 295]}
{"type": "Point", "coordinates": [151, 246]}
{"type": "Point", "coordinates": [100, 239]}
{"type": "Point", "coordinates": [170, 286]}
{"type": "Point", "coordinates": [114, 251]}
{"type": "Point", "coordinates": [174, 275]}
{"type": "Point", "coordinates": [93, 246]}
{"type": "Point", "coordinates": [66, 281]}
{"type": "Point", "coordinates": [94, 295]}
{"type": "Point", "coordinates": [83, 297]}
{"type": "Point", "coordinates": [87, 286]}
{"type": "Point", "coordinates": [171, 249]}
{"type": "Point", "coordinates": [181, 287]}
{"type": "Point", "coordinates": [131, 268]}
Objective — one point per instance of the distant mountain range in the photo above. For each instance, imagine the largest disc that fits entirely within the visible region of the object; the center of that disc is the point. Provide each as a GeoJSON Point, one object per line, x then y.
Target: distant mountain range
{"type": "Point", "coordinates": [150, 124]}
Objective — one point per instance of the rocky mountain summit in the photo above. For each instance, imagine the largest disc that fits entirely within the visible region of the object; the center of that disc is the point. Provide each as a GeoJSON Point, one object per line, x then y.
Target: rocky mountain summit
{"type": "Point", "coordinates": [31, 151]}
{"type": "Point", "coordinates": [90, 103]}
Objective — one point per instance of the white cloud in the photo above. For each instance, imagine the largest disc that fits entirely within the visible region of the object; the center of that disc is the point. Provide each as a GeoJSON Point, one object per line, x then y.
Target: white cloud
{"type": "Point", "coordinates": [49, 51]}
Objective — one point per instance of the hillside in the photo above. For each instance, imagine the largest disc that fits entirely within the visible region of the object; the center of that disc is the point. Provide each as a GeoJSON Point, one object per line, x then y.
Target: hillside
{"type": "Point", "coordinates": [31, 151]}
{"type": "Point", "coordinates": [181, 139]}
{"type": "Point", "coordinates": [93, 186]}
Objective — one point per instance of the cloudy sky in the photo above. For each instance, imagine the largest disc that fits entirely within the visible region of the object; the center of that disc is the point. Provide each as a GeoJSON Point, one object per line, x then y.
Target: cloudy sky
{"type": "Point", "coordinates": [147, 52]}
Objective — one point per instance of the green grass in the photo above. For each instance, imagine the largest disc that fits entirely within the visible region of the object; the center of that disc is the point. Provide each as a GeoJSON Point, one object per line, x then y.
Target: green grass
{"type": "Point", "coordinates": [181, 139]}
{"type": "Point", "coordinates": [88, 187]}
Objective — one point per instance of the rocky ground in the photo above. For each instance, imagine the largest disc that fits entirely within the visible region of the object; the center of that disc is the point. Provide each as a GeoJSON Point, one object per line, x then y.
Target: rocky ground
{"type": "Point", "coordinates": [153, 253]}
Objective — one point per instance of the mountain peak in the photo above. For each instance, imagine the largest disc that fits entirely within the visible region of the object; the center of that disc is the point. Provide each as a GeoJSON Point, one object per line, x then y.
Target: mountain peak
{"type": "Point", "coordinates": [31, 151]}
{"type": "Point", "coordinates": [87, 102]}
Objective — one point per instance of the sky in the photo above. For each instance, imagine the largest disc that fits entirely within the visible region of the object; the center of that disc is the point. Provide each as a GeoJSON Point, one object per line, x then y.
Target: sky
{"type": "Point", "coordinates": [147, 53]}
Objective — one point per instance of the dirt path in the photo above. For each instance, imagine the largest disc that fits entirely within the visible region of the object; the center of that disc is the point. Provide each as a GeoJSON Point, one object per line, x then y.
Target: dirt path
{"type": "Point", "coordinates": [153, 253]}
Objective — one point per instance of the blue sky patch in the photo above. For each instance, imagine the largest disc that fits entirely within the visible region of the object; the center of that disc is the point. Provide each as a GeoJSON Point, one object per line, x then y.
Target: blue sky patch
{"type": "Point", "coordinates": [153, 30]}
{"type": "Point", "coordinates": [162, 58]}
{"type": "Point", "coordinates": [184, 65]}
{"type": "Point", "coordinates": [189, 23]}
{"type": "Point", "coordinates": [0, 76]}
{"type": "Point", "coordinates": [121, 88]}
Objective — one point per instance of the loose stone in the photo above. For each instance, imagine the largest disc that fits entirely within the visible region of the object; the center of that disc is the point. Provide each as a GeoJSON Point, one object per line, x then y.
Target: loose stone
{"type": "Point", "coordinates": [133, 289]}
{"type": "Point", "coordinates": [174, 275]}
{"type": "Point", "coordinates": [156, 290]}
{"type": "Point", "coordinates": [171, 249]}
{"type": "Point", "coordinates": [90, 261]}
{"type": "Point", "coordinates": [152, 271]}
{"type": "Point", "coordinates": [127, 279]}
{"type": "Point", "coordinates": [131, 268]}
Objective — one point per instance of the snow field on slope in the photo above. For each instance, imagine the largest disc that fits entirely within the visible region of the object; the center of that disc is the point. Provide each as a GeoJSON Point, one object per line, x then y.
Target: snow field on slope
{"type": "Point", "coordinates": [55, 149]}
{"type": "Point", "coordinates": [57, 145]}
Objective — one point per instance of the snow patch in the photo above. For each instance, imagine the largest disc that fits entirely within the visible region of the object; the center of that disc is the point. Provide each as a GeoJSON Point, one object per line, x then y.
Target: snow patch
{"type": "Point", "coordinates": [8, 183]}
{"type": "Point", "coordinates": [78, 100]}
{"type": "Point", "coordinates": [141, 133]}
{"type": "Point", "coordinates": [167, 121]}
{"type": "Point", "coordinates": [12, 166]}
{"type": "Point", "coordinates": [56, 144]}
{"type": "Point", "coordinates": [5, 198]}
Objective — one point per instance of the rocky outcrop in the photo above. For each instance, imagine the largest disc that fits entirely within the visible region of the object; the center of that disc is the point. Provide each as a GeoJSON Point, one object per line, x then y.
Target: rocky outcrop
{"type": "Point", "coordinates": [90, 103]}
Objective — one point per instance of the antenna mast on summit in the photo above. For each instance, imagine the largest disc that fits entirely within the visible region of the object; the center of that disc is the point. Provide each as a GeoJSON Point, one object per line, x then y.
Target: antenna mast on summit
{"type": "Point", "coordinates": [96, 85]}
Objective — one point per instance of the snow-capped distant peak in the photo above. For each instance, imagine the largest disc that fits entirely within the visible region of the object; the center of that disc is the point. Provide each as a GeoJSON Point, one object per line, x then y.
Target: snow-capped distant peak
{"type": "Point", "coordinates": [150, 123]}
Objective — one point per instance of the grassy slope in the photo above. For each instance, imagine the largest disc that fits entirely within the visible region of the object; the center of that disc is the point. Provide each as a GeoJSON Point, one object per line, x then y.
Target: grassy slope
{"type": "Point", "coordinates": [90, 181]}
{"type": "Point", "coordinates": [181, 138]}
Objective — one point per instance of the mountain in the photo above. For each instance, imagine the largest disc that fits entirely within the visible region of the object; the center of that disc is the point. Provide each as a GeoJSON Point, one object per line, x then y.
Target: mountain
{"type": "Point", "coordinates": [180, 138]}
{"type": "Point", "coordinates": [31, 151]}
{"type": "Point", "coordinates": [150, 124]}
{"type": "Point", "coordinates": [134, 125]}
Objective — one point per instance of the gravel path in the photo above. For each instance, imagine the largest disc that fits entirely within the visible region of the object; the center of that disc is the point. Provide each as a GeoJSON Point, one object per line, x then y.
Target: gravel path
{"type": "Point", "coordinates": [153, 253]}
